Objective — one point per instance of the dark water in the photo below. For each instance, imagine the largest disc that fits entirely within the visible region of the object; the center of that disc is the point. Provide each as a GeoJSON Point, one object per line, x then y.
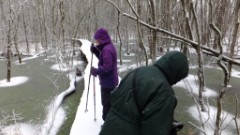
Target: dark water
{"type": "Point", "coordinates": [29, 100]}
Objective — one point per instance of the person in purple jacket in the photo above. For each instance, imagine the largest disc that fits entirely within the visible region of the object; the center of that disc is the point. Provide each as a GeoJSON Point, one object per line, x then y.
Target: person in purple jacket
{"type": "Point", "coordinates": [107, 67]}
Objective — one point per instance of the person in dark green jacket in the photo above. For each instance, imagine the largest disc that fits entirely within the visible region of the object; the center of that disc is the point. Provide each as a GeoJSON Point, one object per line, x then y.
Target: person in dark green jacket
{"type": "Point", "coordinates": [144, 102]}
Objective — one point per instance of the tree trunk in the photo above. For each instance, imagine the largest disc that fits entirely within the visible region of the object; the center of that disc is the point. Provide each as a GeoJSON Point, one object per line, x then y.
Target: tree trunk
{"type": "Point", "coordinates": [95, 15]}
{"type": "Point", "coordinates": [9, 44]}
{"type": "Point", "coordinates": [140, 40]}
{"type": "Point", "coordinates": [44, 27]}
{"type": "Point", "coordinates": [235, 35]}
{"type": "Point", "coordinates": [198, 49]}
{"type": "Point", "coordinates": [153, 40]}
{"type": "Point", "coordinates": [25, 31]}
{"type": "Point", "coordinates": [200, 61]}
{"type": "Point", "coordinates": [16, 39]}
{"type": "Point", "coordinates": [118, 30]}
{"type": "Point", "coordinates": [62, 28]}
{"type": "Point", "coordinates": [40, 23]}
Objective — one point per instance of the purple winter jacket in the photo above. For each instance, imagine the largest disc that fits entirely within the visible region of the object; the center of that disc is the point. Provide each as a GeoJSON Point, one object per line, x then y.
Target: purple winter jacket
{"type": "Point", "coordinates": [107, 55]}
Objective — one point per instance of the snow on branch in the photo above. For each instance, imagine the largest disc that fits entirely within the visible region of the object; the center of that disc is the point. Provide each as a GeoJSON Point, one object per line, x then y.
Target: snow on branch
{"type": "Point", "coordinates": [192, 43]}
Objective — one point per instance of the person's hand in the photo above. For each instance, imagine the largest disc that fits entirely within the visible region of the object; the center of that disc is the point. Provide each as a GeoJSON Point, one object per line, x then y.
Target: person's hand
{"type": "Point", "coordinates": [93, 71]}
{"type": "Point", "coordinates": [92, 48]}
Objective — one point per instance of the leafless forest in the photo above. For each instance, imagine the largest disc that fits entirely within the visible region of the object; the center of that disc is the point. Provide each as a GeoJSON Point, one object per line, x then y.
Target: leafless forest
{"type": "Point", "coordinates": [209, 27]}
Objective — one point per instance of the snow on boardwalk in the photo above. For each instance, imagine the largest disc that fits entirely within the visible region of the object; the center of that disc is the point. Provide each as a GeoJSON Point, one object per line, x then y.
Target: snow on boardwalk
{"type": "Point", "coordinates": [84, 123]}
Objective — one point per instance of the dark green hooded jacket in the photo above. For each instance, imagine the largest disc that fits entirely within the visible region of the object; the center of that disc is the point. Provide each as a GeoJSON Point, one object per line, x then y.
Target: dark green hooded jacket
{"type": "Point", "coordinates": [153, 113]}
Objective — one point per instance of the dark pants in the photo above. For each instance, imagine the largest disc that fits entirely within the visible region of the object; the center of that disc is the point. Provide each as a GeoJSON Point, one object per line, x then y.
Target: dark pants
{"type": "Point", "coordinates": [105, 95]}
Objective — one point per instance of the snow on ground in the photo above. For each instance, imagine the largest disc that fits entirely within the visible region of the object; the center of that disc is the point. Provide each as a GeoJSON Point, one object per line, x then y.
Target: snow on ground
{"type": "Point", "coordinates": [60, 67]}
{"type": "Point", "coordinates": [190, 83]}
{"type": "Point", "coordinates": [28, 58]}
{"type": "Point", "coordinates": [64, 67]}
{"type": "Point", "coordinates": [19, 129]}
{"type": "Point", "coordinates": [17, 63]}
{"type": "Point", "coordinates": [235, 73]}
{"type": "Point", "coordinates": [124, 60]}
{"type": "Point", "coordinates": [210, 117]}
{"type": "Point", "coordinates": [126, 68]}
{"type": "Point", "coordinates": [84, 121]}
{"type": "Point", "coordinates": [14, 81]}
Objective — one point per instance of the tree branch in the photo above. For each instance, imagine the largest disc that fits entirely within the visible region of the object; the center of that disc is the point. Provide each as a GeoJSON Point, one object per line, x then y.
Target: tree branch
{"type": "Point", "coordinates": [193, 44]}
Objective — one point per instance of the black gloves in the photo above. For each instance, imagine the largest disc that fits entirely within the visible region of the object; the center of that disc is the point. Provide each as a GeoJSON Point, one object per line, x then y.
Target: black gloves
{"type": "Point", "coordinates": [94, 50]}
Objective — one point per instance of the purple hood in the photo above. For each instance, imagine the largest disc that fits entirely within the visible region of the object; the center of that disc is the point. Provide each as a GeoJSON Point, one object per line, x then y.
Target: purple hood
{"type": "Point", "coordinates": [102, 36]}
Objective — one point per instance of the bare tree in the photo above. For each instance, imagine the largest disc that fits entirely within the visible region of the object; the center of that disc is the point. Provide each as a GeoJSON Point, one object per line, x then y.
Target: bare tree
{"type": "Point", "coordinates": [62, 21]}
{"type": "Point", "coordinates": [25, 29]}
{"type": "Point", "coordinates": [16, 22]}
{"type": "Point", "coordinates": [140, 40]}
{"type": "Point", "coordinates": [226, 82]}
{"type": "Point", "coordinates": [200, 60]}
{"type": "Point", "coordinates": [237, 116]}
{"type": "Point", "coordinates": [235, 34]}
{"type": "Point", "coordinates": [42, 24]}
{"type": "Point", "coordinates": [95, 14]}
{"type": "Point", "coordinates": [153, 48]}
{"type": "Point", "coordinates": [221, 64]}
{"type": "Point", "coordinates": [189, 42]}
{"type": "Point", "coordinates": [9, 43]}
{"type": "Point", "coordinates": [118, 29]}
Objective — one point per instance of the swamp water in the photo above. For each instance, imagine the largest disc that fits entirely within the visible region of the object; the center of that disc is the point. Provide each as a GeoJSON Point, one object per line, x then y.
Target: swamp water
{"type": "Point", "coordinates": [29, 105]}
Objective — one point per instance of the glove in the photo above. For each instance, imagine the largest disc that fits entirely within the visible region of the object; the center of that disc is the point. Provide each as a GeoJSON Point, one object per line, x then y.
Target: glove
{"type": "Point", "coordinates": [92, 48]}
{"type": "Point", "coordinates": [93, 71]}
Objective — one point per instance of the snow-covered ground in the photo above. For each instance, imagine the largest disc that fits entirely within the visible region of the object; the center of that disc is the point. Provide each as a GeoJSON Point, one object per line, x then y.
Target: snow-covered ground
{"type": "Point", "coordinates": [64, 67]}
{"type": "Point", "coordinates": [14, 81]}
{"type": "Point", "coordinates": [190, 83]}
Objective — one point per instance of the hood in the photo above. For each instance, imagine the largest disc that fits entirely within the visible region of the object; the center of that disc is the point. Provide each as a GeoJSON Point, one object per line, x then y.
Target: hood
{"type": "Point", "coordinates": [102, 36]}
{"type": "Point", "coordinates": [174, 66]}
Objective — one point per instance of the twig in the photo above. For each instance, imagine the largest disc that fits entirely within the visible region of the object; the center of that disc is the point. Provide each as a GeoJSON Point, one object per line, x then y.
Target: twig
{"type": "Point", "coordinates": [197, 128]}
{"type": "Point", "coordinates": [236, 116]}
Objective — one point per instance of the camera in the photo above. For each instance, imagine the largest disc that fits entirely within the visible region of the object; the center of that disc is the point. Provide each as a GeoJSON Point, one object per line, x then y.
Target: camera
{"type": "Point", "coordinates": [177, 125]}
